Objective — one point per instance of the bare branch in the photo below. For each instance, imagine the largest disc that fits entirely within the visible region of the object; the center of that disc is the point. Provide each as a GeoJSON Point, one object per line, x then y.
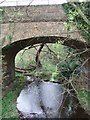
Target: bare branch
{"type": "Point", "coordinates": [51, 51]}
{"type": "Point", "coordinates": [38, 55]}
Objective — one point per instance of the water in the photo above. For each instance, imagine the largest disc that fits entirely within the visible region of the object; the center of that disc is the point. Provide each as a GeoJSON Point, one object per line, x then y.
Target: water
{"type": "Point", "coordinates": [28, 102]}
{"type": "Point", "coordinates": [42, 99]}
{"type": "Point", "coordinates": [52, 97]}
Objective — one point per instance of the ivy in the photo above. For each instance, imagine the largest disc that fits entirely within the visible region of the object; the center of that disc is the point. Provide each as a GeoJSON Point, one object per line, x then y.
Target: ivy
{"type": "Point", "coordinates": [78, 14]}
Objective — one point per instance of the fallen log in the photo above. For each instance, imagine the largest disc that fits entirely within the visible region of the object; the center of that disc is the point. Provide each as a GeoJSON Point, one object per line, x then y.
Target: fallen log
{"type": "Point", "coordinates": [23, 70]}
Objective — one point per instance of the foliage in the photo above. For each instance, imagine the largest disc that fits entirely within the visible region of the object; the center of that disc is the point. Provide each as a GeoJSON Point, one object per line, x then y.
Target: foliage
{"type": "Point", "coordinates": [78, 15]}
{"type": "Point", "coordinates": [10, 96]}
{"type": "Point", "coordinates": [84, 99]}
{"type": "Point", "coordinates": [69, 64]}
{"type": "Point", "coordinates": [59, 67]}
{"type": "Point", "coordinates": [58, 62]}
{"type": "Point", "coordinates": [54, 64]}
{"type": "Point", "coordinates": [25, 57]}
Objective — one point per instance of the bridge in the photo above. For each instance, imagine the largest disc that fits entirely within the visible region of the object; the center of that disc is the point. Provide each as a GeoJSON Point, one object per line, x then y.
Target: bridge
{"type": "Point", "coordinates": [29, 25]}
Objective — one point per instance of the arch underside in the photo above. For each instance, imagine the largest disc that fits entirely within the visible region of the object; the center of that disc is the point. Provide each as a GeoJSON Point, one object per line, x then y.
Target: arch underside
{"type": "Point", "coordinates": [9, 52]}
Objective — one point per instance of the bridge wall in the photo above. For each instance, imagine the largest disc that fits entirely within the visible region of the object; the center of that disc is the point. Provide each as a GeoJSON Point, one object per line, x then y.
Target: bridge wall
{"type": "Point", "coordinates": [25, 26]}
{"type": "Point", "coordinates": [34, 13]}
{"type": "Point", "coordinates": [21, 31]}
{"type": "Point", "coordinates": [9, 52]}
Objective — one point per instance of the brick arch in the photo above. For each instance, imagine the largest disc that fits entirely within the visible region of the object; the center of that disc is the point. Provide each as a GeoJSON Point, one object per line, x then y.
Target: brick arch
{"type": "Point", "coordinates": [9, 52]}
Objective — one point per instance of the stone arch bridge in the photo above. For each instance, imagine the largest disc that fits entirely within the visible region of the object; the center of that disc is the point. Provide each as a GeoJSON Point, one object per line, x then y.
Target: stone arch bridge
{"type": "Point", "coordinates": [25, 26]}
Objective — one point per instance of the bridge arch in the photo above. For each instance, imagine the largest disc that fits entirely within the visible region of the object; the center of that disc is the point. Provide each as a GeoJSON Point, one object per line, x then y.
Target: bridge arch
{"type": "Point", "coordinates": [9, 52]}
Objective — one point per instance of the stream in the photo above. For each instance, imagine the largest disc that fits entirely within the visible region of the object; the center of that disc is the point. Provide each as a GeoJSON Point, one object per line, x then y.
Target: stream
{"type": "Point", "coordinates": [44, 99]}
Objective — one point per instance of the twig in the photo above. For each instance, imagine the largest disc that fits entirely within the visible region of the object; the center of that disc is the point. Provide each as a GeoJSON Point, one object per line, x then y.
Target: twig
{"type": "Point", "coordinates": [51, 51]}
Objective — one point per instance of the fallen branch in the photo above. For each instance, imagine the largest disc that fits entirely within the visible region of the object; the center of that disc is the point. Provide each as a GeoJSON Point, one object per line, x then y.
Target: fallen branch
{"type": "Point", "coordinates": [23, 70]}
{"type": "Point", "coordinates": [19, 71]}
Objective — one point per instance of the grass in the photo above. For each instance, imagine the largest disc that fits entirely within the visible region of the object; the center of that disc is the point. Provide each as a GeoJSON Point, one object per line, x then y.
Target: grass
{"type": "Point", "coordinates": [48, 71]}
{"type": "Point", "coordinates": [9, 99]}
{"type": "Point", "coordinates": [25, 57]}
{"type": "Point", "coordinates": [23, 60]}
{"type": "Point", "coordinates": [48, 60]}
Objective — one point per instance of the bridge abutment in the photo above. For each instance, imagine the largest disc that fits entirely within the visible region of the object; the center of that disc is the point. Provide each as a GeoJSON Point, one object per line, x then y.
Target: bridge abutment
{"type": "Point", "coordinates": [8, 67]}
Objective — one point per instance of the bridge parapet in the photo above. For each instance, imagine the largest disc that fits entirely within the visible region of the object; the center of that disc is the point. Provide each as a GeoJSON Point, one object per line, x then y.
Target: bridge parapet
{"type": "Point", "coordinates": [25, 22]}
{"type": "Point", "coordinates": [38, 13]}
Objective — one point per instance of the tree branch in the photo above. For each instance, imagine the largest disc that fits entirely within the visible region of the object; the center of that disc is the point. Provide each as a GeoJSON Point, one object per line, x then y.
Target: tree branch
{"type": "Point", "coordinates": [37, 59]}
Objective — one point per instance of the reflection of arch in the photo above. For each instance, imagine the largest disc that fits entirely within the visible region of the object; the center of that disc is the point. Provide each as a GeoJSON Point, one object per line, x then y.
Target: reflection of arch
{"type": "Point", "coordinates": [10, 52]}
